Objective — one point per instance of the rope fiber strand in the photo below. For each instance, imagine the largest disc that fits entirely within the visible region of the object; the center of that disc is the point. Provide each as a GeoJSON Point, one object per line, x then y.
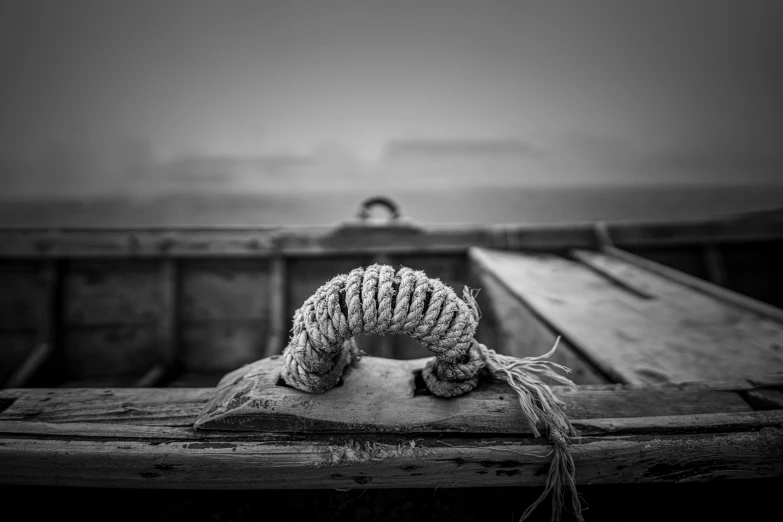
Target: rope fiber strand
{"type": "Point", "coordinates": [381, 300]}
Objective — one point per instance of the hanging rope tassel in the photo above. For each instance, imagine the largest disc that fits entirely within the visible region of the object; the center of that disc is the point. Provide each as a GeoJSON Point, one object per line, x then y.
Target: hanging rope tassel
{"type": "Point", "coordinates": [541, 406]}
{"type": "Point", "coordinates": [382, 300]}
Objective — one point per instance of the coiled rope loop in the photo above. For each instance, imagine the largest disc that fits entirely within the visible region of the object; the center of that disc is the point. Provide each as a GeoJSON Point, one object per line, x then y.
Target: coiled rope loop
{"type": "Point", "coordinates": [381, 300]}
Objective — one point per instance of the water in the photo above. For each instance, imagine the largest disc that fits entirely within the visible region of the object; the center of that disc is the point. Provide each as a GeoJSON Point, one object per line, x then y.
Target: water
{"type": "Point", "coordinates": [444, 205]}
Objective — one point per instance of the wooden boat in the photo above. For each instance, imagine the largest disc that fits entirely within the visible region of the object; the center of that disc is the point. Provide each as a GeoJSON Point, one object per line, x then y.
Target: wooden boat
{"type": "Point", "coordinates": [115, 342]}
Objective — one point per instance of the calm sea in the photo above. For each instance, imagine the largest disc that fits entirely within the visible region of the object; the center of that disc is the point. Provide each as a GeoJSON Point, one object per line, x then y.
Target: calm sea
{"type": "Point", "coordinates": [447, 205]}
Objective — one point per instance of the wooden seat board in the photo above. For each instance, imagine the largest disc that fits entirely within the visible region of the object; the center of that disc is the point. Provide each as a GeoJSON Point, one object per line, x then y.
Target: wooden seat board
{"type": "Point", "coordinates": [677, 335]}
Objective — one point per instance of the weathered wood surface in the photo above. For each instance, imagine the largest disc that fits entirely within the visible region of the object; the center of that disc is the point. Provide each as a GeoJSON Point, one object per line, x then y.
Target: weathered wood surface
{"type": "Point", "coordinates": [182, 406]}
{"type": "Point", "coordinates": [509, 327]}
{"type": "Point", "coordinates": [127, 462]}
{"type": "Point", "coordinates": [144, 438]}
{"type": "Point", "coordinates": [399, 238]}
{"type": "Point", "coordinates": [381, 395]}
{"type": "Point", "coordinates": [679, 335]}
{"type": "Point", "coordinates": [639, 266]}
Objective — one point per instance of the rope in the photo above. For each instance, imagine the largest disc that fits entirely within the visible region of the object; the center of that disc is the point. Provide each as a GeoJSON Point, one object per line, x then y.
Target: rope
{"type": "Point", "coordinates": [382, 300]}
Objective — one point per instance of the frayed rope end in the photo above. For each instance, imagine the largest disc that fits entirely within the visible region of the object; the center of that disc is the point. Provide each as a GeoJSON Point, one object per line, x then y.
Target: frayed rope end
{"type": "Point", "coordinates": [541, 405]}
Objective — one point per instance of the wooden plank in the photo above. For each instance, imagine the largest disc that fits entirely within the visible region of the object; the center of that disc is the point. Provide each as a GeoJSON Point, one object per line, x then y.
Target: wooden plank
{"type": "Point", "coordinates": [138, 406]}
{"type": "Point", "coordinates": [770, 380]}
{"type": "Point", "coordinates": [700, 285]}
{"type": "Point", "coordinates": [380, 395]}
{"type": "Point", "coordinates": [511, 328]}
{"type": "Point", "coordinates": [182, 406]}
{"type": "Point", "coordinates": [139, 242]}
{"type": "Point", "coordinates": [278, 275]}
{"type": "Point", "coordinates": [639, 339]}
{"type": "Point", "coordinates": [378, 463]}
{"type": "Point", "coordinates": [688, 259]}
{"type": "Point", "coordinates": [693, 423]}
{"type": "Point", "coordinates": [678, 295]}
{"type": "Point", "coordinates": [367, 240]}
{"type": "Point", "coordinates": [704, 231]}
{"type": "Point", "coordinates": [733, 422]}
{"type": "Point", "coordinates": [615, 276]}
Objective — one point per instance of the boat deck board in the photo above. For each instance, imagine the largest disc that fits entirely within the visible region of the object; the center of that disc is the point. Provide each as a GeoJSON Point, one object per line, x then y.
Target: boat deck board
{"type": "Point", "coordinates": [143, 438]}
{"type": "Point", "coordinates": [634, 325]}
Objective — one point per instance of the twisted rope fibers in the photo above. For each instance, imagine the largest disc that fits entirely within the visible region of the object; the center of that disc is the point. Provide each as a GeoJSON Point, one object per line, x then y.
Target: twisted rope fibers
{"type": "Point", "coordinates": [382, 300]}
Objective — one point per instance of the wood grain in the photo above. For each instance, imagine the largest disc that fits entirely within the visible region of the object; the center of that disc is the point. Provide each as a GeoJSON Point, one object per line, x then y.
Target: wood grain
{"type": "Point", "coordinates": [700, 285]}
{"type": "Point", "coordinates": [509, 327]}
{"type": "Point", "coordinates": [372, 463]}
{"type": "Point", "coordinates": [380, 395]}
{"type": "Point", "coordinates": [182, 406]}
{"type": "Point", "coordinates": [680, 335]}
{"type": "Point", "coordinates": [144, 438]}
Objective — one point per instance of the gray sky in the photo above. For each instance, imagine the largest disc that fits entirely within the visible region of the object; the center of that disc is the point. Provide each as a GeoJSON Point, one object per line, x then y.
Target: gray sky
{"type": "Point", "coordinates": [579, 91]}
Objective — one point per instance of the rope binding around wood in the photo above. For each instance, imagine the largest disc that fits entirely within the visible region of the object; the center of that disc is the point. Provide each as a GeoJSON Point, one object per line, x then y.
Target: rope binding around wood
{"type": "Point", "coordinates": [381, 300]}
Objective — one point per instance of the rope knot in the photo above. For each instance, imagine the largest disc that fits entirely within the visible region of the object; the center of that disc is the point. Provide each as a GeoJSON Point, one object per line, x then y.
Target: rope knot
{"type": "Point", "coordinates": [381, 300]}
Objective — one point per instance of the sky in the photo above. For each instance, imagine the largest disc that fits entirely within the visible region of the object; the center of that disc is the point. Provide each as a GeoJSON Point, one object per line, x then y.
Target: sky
{"type": "Point", "coordinates": [106, 95]}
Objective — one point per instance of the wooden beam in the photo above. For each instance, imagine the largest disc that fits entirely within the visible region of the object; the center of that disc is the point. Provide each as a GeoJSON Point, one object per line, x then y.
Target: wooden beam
{"type": "Point", "coordinates": [375, 462]}
{"type": "Point", "coordinates": [705, 287]}
{"type": "Point", "coordinates": [378, 395]}
{"type": "Point", "coordinates": [182, 406]}
{"type": "Point", "coordinates": [189, 242]}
